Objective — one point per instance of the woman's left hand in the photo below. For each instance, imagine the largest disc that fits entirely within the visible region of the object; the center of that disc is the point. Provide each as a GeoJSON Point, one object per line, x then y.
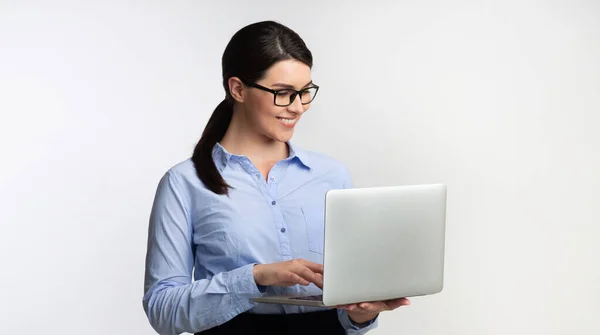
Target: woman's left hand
{"type": "Point", "coordinates": [367, 311]}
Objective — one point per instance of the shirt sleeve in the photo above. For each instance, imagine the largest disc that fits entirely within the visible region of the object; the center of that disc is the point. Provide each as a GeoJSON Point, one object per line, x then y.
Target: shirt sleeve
{"type": "Point", "coordinates": [351, 328]}
{"type": "Point", "coordinates": [346, 176]}
{"type": "Point", "coordinates": [173, 302]}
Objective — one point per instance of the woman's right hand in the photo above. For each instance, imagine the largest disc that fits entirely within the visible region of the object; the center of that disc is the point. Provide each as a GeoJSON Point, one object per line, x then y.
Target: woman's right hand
{"type": "Point", "coordinates": [289, 273]}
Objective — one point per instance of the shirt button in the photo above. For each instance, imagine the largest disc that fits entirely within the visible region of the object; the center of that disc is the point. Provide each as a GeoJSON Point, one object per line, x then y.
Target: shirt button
{"type": "Point", "coordinates": [274, 202]}
{"type": "Point", "coordinates": [283, 230]}
{"type": "Point", "coordinates": [272, 178]}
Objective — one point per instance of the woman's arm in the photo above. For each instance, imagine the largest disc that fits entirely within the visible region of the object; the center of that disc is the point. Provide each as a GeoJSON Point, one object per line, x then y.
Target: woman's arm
{"type": "Point", "coordinates": [172, 302]}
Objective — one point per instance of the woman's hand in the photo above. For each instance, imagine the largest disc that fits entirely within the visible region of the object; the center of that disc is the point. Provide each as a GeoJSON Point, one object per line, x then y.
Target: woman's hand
{"type": "Point", "coordinates": [367, 311]}
{"type": "Point", "coordinates": [289, 273]}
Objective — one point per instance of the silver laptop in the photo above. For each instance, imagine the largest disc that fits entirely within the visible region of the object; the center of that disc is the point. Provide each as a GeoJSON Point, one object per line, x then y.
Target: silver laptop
{"type": "Point", "coordinates": [380, 243]}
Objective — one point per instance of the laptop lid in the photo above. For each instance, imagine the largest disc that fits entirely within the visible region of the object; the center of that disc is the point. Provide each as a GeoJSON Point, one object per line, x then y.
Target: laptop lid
{"type": "Point", "coordinates": [383, 243]}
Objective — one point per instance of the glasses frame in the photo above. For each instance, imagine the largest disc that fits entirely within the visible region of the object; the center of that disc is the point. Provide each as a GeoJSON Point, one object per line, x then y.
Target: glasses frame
{"type": "Point", "coordinates": [292, 97]}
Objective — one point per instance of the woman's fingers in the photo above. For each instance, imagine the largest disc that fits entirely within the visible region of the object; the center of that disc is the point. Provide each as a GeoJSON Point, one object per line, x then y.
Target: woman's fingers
{"type": "Point", "coordinates": [289, 273]}
{"type": "Point", "coordinates": [375, 306]}
{"type": "Point", "coordinates": [314, 267]}
{"type": "Point", "coordinates": [395, 303]}
{"type": "Point", "coordinates": [349, 307]}
{"type": "Point", "coordinates": [305, 271]}
{"type": "Point", "coordinates": [319, 281]}
{"type": "Point", "coordinates": [289, 278]}
{"type": "Point", "coordinates": [372, 307]}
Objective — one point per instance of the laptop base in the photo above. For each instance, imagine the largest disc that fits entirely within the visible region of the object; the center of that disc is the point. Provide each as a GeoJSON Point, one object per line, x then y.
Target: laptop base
{"type": "Point", "coordinates": [301, 300]}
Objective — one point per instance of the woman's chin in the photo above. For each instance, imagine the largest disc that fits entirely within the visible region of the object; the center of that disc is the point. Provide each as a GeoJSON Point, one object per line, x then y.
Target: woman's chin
{"type": "Point", "coordinates": [283, 137]}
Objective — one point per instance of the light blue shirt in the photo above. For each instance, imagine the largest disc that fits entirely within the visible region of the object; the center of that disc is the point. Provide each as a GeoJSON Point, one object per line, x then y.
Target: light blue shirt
{"type": "Point", "coordinates": [219, 238]}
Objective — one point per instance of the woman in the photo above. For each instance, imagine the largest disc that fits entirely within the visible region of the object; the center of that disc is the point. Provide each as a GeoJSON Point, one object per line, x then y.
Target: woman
{"type": "Point", "coordinates": [244, 214]}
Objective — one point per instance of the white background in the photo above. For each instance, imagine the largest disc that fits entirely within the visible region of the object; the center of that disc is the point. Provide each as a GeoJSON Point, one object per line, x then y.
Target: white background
{"type": "Point", "coordinates": [498, 99]}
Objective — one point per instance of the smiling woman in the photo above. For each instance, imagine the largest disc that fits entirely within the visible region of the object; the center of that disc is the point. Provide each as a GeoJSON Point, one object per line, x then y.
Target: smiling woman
{"type": "Point", "coordinates": [244, 213]}
{"type": "Point", "coordinates": [286, 81]}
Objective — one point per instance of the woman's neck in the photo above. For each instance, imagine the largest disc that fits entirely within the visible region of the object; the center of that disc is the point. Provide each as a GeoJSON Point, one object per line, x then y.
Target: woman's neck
{"type": "Point", "coordinates": [240, 139]}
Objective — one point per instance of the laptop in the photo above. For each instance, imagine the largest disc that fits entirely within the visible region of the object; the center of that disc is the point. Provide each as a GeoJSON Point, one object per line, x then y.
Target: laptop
{"type": "Point", "coordinates": [380, 243]}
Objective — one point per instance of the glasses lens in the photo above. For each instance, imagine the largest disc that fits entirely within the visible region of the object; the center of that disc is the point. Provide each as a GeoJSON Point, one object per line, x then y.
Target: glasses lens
{"type": "Point", "coordinates": [284, 97]}
{"type": "Point", "coordinates": [308, 95]}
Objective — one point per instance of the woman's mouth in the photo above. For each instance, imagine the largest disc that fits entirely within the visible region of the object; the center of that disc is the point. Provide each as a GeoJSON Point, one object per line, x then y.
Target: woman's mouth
{"type": "Point", "coordinates": [288, 122]}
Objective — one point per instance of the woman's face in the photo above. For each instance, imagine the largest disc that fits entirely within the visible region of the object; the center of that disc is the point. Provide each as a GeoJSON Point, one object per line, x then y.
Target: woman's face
{"type": "Point", "coordinates": [260, 112]}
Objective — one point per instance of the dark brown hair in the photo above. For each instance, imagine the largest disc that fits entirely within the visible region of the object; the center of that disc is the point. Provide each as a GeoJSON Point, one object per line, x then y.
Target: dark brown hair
{"type": "Point", "coordinates": [248, 55]}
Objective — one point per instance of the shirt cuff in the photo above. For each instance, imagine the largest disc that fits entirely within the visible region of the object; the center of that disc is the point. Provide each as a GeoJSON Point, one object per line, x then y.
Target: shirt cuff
{"type": "Point", "coordinates": [241, 282]}
{"type": "Point", "coordinates": [355, 329]}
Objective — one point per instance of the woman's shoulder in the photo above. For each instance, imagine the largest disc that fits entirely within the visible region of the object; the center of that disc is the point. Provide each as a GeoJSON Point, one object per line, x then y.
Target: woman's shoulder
{"type": "Point", "coordinates": [183, 176]}
{"type": "Point", "coordinates": [182, 170]}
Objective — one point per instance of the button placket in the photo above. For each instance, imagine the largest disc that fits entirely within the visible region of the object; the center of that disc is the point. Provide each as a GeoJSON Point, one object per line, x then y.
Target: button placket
{"type": "Point", "coordinates": [269, 191]}
{"type": "Point", "coordinates": [284, 240]}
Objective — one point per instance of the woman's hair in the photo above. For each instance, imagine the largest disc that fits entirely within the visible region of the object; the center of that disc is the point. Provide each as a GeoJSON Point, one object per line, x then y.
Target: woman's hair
{"type": "Point", "coordinates": [248, 55]}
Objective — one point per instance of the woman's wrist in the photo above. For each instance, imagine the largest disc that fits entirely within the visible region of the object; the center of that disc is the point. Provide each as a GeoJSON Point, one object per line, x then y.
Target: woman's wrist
{"type": "Point", "coordinates": [361, 319]}
{"type": "Point", "coordinates": [256, 273]}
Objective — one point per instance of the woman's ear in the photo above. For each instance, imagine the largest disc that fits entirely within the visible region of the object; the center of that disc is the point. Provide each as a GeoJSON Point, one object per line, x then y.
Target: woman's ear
{"type": "Point", "coordinates": [236, 89]}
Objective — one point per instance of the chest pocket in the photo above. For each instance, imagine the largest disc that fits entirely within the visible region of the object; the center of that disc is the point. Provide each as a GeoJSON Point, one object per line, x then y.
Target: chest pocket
{"type": "Point", "coordinates": [314, 218]}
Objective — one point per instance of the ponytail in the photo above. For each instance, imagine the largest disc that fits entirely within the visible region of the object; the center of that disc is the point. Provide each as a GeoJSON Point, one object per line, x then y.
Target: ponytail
{"type": "Point", "coordinates": [202, 158]}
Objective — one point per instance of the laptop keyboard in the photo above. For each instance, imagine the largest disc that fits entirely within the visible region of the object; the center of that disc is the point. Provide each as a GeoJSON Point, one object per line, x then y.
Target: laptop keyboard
{"type": "Point", "coordinates": [310, 297]}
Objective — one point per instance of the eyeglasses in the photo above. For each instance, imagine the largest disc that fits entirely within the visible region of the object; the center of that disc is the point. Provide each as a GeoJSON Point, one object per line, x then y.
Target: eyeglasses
{"type": "Point", "coordinates": [285, 97]}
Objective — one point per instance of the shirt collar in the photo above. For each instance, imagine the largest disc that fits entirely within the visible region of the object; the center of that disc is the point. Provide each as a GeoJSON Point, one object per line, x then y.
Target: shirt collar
{"type": "Point", "coordinates": [301, 155]}
{"type": "Point", "coordinates": [221, 157]}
